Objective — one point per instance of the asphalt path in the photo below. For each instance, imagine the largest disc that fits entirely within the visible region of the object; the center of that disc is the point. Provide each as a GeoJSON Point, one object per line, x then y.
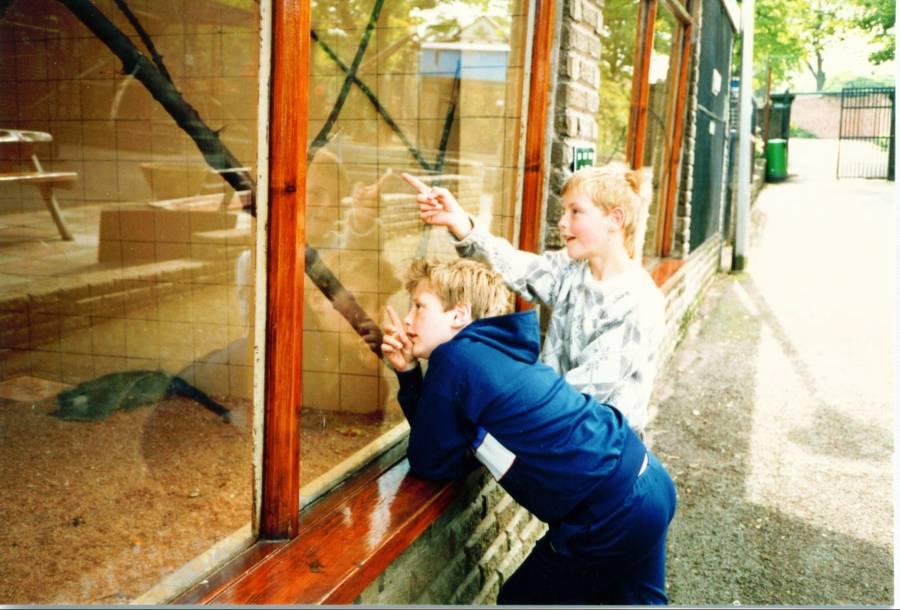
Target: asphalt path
{"type": "Point", "coordinates": [775, 415]}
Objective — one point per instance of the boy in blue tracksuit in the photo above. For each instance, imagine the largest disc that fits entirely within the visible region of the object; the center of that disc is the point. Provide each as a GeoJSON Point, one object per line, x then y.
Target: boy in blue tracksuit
{"type": "Point", "coordinates": [575, 464]}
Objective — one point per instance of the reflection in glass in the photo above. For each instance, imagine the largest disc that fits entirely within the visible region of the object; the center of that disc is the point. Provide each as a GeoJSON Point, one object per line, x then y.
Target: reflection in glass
{"type": "Point", "coordinates": [663, 84]}
{"type": "Point", "coordinates": [431, 89]}
{"type": "Point", "coordinates": [126, 282]}
{"type": "Point", "coordinates": [618, 39]}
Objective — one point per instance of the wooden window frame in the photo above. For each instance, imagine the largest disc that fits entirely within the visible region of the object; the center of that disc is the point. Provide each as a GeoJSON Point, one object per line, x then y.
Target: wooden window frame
{"type": "Point", "coordinates": [289, 564]}
{"type": "Point", "coordinates": [640, 95]}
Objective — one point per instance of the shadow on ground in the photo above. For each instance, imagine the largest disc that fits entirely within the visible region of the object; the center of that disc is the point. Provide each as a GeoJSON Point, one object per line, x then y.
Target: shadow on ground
{"type": "Point", "coordinates": [723, 549]}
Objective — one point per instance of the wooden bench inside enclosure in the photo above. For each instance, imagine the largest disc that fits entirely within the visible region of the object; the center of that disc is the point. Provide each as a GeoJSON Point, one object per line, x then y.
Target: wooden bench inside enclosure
{"type": "Point", "coordinates": [44, 181]}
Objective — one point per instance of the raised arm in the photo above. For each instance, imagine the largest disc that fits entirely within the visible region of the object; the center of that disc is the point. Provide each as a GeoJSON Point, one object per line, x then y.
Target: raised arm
{"type": "Point", "coordinates": [536, 277]}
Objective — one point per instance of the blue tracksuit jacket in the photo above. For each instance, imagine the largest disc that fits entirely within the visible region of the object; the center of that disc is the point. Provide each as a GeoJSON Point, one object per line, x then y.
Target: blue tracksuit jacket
{"type": "Point", "coordinates": [566, 458]}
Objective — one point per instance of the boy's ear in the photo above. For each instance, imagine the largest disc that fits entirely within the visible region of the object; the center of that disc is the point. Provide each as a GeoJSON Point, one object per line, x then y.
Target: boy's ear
{"type": "Point", "coordinates": [462, 315]}
{"type": "Point", "coordinates": [618, 216]}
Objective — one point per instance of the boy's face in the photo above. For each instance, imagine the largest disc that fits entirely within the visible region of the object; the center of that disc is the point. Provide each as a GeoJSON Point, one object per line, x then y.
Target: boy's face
{"type": "Point", "coordinates": [587, 229]}
{"type": "Point", "coordinates": [427, 324]}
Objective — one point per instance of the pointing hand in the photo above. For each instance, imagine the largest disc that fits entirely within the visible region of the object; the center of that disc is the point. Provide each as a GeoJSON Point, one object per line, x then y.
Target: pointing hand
{"type": "Point", "coordinates": [438, 206]}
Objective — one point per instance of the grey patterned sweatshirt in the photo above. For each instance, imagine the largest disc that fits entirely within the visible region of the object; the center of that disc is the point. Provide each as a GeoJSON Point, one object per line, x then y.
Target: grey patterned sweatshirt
{"type": "Point", "coordinates": [604, 336]}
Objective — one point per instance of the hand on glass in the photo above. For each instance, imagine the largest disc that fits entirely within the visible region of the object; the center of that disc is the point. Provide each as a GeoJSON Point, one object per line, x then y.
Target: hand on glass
{"type": "Point", "coordinates": [438, 206]}
{"type": "Point", "coordinates": [396, 346]}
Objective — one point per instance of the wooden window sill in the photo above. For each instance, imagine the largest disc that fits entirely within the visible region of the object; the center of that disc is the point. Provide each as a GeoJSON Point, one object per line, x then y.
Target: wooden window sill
{"type": "Point", "coordinates": [345, 541]}
{"type": "Point", "coordinates": [663, 269]}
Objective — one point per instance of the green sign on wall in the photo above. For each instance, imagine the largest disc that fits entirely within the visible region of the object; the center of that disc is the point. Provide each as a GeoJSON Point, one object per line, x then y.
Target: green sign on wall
{"type": "Point", "coordinates": [582, 156]}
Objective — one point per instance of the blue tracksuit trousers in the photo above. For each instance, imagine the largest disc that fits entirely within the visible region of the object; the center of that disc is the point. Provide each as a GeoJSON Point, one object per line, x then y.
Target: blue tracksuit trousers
{"type": "Point", "coordinates": [621, 562]}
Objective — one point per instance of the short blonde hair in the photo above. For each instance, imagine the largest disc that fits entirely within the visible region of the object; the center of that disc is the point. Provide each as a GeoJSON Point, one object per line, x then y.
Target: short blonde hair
{"type": "Point", "coordinates": [612, 186]}
{"type": "Point", "coordinates": [462, 281]}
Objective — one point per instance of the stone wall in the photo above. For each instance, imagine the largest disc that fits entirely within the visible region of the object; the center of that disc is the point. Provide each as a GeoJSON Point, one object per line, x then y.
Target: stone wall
{"type": "Point", "coordinates": [684, 289]}
{"type": "Point", "coordinates": [464, 557]}
{"type": "Point", "coordinates": [819, 115]}
{"type": "Point", "coordinates": [681, 235]}
{"type": "Point", "coordinates": [577, 100]}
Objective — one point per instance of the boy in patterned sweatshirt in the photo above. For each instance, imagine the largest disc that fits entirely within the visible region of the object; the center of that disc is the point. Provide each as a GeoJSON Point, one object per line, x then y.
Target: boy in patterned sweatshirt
{"type": "Point", "coordinates": [608, 316]}
{"type": "Point", "coordinates": [574, 463]}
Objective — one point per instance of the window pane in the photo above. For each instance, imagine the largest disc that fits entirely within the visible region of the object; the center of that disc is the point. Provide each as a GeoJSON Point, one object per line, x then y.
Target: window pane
{"type": "Point", "coordinates": [617, 42]}
{"type": "Point", "coordinates": [437, 92]}
{"type": "Point", "coordinates": [663, 84]}
{"type": "Point", "coordinates": [127, 329]}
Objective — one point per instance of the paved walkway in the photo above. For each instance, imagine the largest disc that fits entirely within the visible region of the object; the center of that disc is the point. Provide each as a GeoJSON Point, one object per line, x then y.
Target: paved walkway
{"type": "Point", "coordinates": [776, 414]}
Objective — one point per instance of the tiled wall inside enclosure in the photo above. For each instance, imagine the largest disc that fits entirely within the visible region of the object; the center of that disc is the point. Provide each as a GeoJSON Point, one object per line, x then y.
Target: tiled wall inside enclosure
{"type": "Point", "coordinates": [151, 268]}
{"type": "Point", "coordinates": [58, 77]}
{"type": "Point", "coordinates": [406, 111]}
{"type": "Point", "coordinates": [143, 284]}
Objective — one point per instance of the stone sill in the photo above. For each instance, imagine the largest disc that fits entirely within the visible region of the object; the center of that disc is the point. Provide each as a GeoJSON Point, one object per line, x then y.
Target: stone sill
{"type": "Point", "coordinates": [349, 537]}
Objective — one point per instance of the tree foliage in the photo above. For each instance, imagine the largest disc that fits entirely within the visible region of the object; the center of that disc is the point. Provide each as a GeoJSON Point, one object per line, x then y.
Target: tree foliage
{"type": "Point", "coordinates": [795, 35]}
{"type": "Point", "coordinates": [878, 20]}
{"type": "Point", "coordinates": [616, 70]}
{"type": "Point", "coordinates": [778, 40]}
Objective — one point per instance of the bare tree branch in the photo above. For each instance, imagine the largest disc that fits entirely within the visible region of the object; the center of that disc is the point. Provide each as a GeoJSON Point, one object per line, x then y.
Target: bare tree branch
{"type": "Point", "coordinates": [322, 137]}
{"type": "Point", "coordinates": [379, 108]}
{"type": "Point", "coordinates": [216, 154]}
{"type": "Point", "coordinates": [145, 38]}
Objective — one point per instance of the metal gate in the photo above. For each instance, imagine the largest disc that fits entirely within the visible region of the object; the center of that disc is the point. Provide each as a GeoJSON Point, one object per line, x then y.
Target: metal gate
{"type": "Point", "coordinates": [866, 137]}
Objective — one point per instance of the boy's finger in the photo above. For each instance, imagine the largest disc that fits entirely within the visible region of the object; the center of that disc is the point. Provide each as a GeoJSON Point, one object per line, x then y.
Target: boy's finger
{"type": "Point", "coordinates": [416, 183]}
{"type": "Point", "coordinates": [395, 320]}
{"type": "Point", "coordinates": [425, 201]}
{"type": "Point", "coordinates": [392, 342]}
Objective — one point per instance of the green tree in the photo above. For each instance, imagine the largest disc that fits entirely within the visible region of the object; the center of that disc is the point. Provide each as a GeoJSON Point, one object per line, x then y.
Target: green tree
{"type": "Point", "coordinates": [616, 71]}
{"type": "Point", "coordinates": [795, 35]}
{"type": "Point", "coordinates": [778, 40]}
{"type": "Point", "coordinates": [878, 20]}
{"type": "Point", "coordinates": [828, 23]}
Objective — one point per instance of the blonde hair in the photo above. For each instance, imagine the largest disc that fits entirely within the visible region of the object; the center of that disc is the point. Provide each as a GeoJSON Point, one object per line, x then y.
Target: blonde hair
{"type": "Point", "coordinates": [613, 186]}
{"type": "Point", "coordinates": [462, 281]}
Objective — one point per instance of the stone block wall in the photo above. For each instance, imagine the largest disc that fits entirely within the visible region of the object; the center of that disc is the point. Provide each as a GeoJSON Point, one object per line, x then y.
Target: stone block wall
{"type": "Point", "coordinates": [466, 555]}
{"type": "Point", "coordinates": [681, 236]}
{"type": "Point", "coordinates": [683, 290]}
{"type": "Point", "coordinates": [577, 100]}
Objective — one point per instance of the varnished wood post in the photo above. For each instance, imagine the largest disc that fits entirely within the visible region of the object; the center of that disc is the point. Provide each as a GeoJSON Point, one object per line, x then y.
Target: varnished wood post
{"type": "Point", "coordinates": [285, 264]}
{"type": "Point", "coordinates": [536, 131]}
{"type": "Point", "coordinates": [640, 88]}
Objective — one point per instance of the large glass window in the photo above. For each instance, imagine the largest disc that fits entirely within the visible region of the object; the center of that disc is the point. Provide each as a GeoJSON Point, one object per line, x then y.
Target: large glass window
{"type": "Point", "coordinates": [128, 148]}
{"type": "Point", "coordinates": [664, 60]}
{"type": "Point", "coordinates": [617, 46]}
{"type": "Point", "coordinates": [434, 89]}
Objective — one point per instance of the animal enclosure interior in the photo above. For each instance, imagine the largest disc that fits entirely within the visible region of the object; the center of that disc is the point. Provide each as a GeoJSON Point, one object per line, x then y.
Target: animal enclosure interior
{"type": "Point", "coordinates": [129, 283]}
